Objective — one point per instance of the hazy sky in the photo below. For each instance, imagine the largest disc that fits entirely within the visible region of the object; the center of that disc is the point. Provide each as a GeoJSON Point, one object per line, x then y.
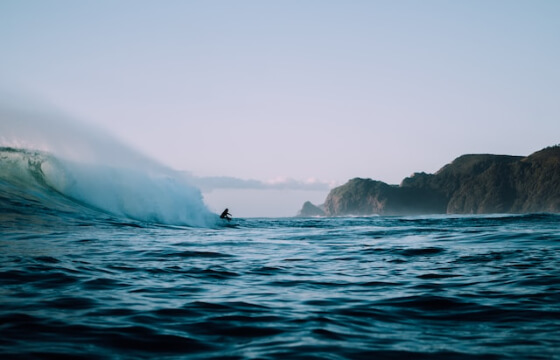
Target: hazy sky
{"type": "Point", "coordinates": [268, 90]}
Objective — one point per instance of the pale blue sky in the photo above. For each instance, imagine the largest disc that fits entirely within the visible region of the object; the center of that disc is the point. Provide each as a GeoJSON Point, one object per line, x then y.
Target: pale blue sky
{"type": "Point", "coordinates": [326, 90]}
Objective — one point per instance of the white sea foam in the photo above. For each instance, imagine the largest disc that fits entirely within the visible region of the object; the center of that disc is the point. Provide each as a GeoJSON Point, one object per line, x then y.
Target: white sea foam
{"type": "Point", "coordinates": [95, 168]}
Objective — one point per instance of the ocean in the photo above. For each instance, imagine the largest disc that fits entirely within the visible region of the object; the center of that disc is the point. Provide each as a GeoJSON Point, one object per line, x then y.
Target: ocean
{"type": "Point", "coordinates": [84, 276]}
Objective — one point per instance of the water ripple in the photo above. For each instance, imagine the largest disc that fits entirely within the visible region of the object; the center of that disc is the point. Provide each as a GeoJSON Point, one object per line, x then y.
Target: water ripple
{"type": "Point", "coordinates": [356, 288]}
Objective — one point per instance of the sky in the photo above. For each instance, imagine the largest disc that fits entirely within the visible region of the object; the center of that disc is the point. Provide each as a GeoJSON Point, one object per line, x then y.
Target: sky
{"type": "Point", "coordinates": [290, 98]}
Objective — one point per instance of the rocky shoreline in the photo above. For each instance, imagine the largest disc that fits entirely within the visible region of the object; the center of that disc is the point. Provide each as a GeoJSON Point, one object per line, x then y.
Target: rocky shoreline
{"type": "Point", "coordinates": [471, 184]}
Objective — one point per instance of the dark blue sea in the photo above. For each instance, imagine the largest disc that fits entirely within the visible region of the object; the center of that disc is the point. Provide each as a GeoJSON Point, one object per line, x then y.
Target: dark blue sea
{"type": "Point", "coordinates": [80, 282]}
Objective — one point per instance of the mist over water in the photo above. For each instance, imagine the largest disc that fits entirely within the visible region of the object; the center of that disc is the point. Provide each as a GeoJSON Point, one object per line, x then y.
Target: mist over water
{"type": "Point", "coordinates": [91, 166]}
{"type": "Point", "coordinates": [90, 268]}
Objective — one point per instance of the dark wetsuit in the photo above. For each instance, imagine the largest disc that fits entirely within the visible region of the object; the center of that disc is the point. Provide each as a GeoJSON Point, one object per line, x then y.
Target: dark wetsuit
{"type": "Point", "coordinates": [225, 215]}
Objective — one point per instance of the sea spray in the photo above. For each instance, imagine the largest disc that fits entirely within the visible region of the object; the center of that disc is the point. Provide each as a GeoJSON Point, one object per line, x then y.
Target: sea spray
{"type": "Point", "coordinates": [86, 164]}
{"type": "Point", "coordinates": [155, 197]}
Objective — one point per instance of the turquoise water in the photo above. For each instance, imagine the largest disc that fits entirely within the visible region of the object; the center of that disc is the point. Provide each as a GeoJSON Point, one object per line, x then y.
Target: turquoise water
{"type": "Point", "coordinates": [80, 282]}
{"type": "Point", "coordinates": [345, 288]}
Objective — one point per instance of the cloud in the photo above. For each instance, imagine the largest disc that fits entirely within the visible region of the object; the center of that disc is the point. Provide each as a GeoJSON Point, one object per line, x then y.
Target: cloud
{"type": "Point", "coordinates": [209, 183]}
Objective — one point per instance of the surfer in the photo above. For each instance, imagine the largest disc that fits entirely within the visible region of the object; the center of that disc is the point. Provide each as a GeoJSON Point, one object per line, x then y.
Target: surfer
{"type": "Point", "coordinates": [226, 215]}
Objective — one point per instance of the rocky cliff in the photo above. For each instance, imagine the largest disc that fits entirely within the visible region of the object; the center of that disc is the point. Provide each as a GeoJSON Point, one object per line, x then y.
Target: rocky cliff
{"type": "Point", "coordinates": [471, 184]}
{"type": "Point", "coordinates": [310, 210]}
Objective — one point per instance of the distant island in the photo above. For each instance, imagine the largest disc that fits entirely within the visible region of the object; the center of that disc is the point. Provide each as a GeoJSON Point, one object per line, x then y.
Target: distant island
{"type": "Point", "coordinates": [471, 184]}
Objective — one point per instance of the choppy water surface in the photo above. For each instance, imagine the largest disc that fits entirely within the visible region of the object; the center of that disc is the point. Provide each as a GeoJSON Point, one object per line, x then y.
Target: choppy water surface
{"type": "Point", "coordinates": [340, 288]}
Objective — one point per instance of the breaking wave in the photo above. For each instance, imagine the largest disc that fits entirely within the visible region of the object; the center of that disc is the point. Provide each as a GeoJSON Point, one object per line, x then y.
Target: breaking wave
{"type": "Point", "coordinates": [50, 163]}
{"type": "Point", "coordinates": [35, 181]}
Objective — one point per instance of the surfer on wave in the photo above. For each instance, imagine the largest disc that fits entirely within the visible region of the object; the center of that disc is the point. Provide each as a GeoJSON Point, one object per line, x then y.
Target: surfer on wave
{"type": "Point", "coordinates": [226, 215]}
